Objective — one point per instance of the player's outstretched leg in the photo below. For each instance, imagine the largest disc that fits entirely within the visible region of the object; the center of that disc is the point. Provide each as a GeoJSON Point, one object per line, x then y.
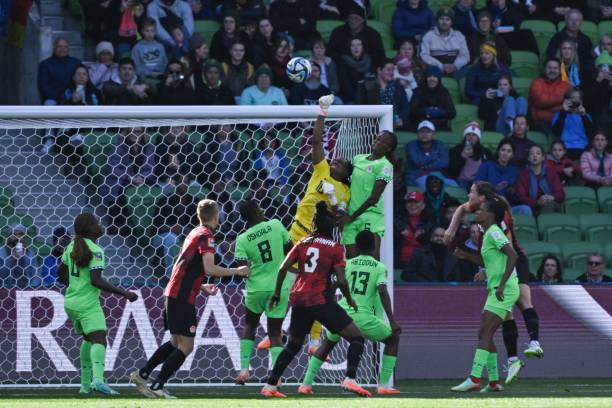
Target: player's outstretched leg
{"type": "Point", "coordinates": [353, 356]}
{"type": "Point", "coordinates": [140, 377]}
{"type": "Point", "coordinates": [388, 365]}
{"type": "Point", "coordinates": [294, 345]}
{"type": "Point", "coordinates": [173, 361]}
{"type": "Point", "coordinates": [98, 356]}
{"type": "Point", "coordinates": [315, 363]}
{"type": "Point", "coordinates": [514, 364]}
{"type": "Point", "coordinates": [532, 322]}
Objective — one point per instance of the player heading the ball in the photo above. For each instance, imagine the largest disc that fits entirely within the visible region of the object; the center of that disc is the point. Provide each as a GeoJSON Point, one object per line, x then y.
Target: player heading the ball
{"type": "Point", "coordinates": [196, 259]}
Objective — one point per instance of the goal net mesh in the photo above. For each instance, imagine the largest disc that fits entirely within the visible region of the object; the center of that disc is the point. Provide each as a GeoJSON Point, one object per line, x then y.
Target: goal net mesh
{"type": "Point", "coordinates": [129, 173]}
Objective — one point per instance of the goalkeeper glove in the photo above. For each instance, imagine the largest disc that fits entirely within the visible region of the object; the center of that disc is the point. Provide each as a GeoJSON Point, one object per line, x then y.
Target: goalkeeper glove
{"type": "Point", "coordinates": [324, 103]}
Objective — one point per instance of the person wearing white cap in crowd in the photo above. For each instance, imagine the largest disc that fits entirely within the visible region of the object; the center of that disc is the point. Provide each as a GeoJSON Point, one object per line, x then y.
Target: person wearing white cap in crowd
{"type": "Point", "coordinates": [426, 155]}
{"type": "Point", "coordinates": [466, 157]}
{"type": "Point", "coordinates": [103, 69]}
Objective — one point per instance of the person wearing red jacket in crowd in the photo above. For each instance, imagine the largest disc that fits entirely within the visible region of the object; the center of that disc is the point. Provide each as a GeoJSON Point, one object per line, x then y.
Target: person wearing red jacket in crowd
{"type": "Point", "coordinates": [410, 228]}
{"type": "Point", "coordinates": [538, 185]}
{"type": "Point", "coordinates": [567, 169]}
{"type": "Point", "coordinates": [546, 95]}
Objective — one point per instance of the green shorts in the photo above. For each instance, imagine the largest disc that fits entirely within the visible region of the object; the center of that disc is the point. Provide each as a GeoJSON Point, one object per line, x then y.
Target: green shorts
{"type": "Point", "coordinates": [87, 321]}
{"type": "Point", "coordinates": [511, 295]}
{"type": "Point", "coordinates": [373, 328]}
{"type": "Point", "coordinates": [257, 302]}
{"type": "Point", "coordinates": [366, 221]}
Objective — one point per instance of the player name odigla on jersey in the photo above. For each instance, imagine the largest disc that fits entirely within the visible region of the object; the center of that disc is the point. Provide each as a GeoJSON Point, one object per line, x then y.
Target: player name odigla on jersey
{"type": "Point", "coordinates": [259, 233]}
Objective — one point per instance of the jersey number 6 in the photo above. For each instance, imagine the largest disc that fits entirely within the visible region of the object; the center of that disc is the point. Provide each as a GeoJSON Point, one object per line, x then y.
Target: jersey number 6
{"type": "Point", "coordinates": [313, 258]}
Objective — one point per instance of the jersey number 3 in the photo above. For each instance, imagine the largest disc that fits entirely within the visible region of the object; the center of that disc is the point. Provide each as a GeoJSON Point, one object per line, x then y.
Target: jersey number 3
{"type": "Point", "coordinates": [313, 258]}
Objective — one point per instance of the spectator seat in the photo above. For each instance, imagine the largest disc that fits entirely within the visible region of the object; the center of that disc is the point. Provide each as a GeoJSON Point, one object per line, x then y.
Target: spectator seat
{"type": "Point", "coordinates": [539, 138]}
{"type": "Point", "coordinates": [404, 138]}
{"type": "Point", "coordinates": [465, 114]}
{"type": "Point", "coordinates": [521, 86]}
{"type": "Point", "coordinates": [452, 86]}
{"type": "Point", "coordinates": [457, 192]}
{"type": "Point", "coordinates": [206, 28]}
{"type": "Point", "coordinates": [384, 29]}
{"type": "Point", "coordinates": [604, 27]}
{"type": "Point", "coordinates": [570, 274]}
{"type": "Point", "coordinates": [576, 254]}
{"type": "Point", "coordinates": [589, 28]}
{"type": "Point", "coordinates": [580, 200]}
{"type": "Point", "coordinates": [525, 228]}
{"type": "Point", "coordinates": [525, 64]}
{"type": "Point", "coordinates": [604, 197]}
{"type": "Point", "coordinates": [325, 27]}
{"type": "Point", "coordinates": [536, 251]}
{"type": "Point", "coordinates": [559, 228]}
{"type": "Point", "coordinates": [490, 140]}
{"type": "Point", "coordinates": [597, 228]}
{"type": "Point", "coordinates": [608, 253]}
{"type": "Point", "coordinates": [543, 31]}
{"type": "Point", "coordinates": [383, 11]}
{"type": "Point", "coordinates": [449, 139]}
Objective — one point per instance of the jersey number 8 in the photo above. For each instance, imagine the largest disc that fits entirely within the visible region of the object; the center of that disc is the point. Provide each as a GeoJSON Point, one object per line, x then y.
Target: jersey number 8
{"type": "Point", "coordinates": [264, 251]}
{"type": "Point", "coordinates": [313, 258]}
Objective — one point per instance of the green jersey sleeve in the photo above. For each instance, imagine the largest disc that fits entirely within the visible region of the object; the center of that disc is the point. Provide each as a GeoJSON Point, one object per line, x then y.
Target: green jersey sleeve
{"type": "Point", "coordinates": [498, 238]}
{"type": "Point", "coordinates": [381, 278]}
{"type": "Point", "coordinates": [240, 253]}
{"type": "Point", "coordinates": [386, 172]}
{"type": "Point", "coordinates": [97, 262]}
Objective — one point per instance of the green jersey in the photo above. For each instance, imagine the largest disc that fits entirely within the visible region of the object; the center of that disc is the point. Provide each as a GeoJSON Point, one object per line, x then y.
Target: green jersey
{"type": "Point", "coordinates": [364, 274]}
{"type": "Point", "coordinates": [81, 294]}
{"type": "Point", "coordinates": [365, 174]}
{"type": "Point", "coordinates": [493, 241]}
{"type": "Point", "coordinates": [263, 246]}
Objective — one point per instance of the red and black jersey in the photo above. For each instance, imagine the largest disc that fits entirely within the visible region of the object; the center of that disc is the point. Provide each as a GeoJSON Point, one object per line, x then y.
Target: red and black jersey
{"type": "Point", "coordinates": [317, 257]}
{"type": "Point", "coordinates": [188, 271]}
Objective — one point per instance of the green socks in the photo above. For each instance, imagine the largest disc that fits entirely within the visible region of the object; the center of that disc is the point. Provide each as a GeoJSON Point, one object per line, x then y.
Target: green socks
{"type": "Point", "coordinates": [386, 370]}
{"type": "Point", "coordinates": [481, 359]}
{"type": "Point", "coordinates": [85, 356]}
{"type": "Point", "coordinates": [492, 367]}
{"type": "Point", "coordinates": [274, 352]}
{"type": "Point", "coordinates": [98, 355]}
{"type": "Point", "coordinates": [314, 365]}
{"type": "Point", "coordinates": [246, 349]}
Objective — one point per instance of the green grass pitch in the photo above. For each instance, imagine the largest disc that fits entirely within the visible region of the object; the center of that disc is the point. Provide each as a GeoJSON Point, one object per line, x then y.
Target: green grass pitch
{"type": "Point", "coordinates": [415, 393]}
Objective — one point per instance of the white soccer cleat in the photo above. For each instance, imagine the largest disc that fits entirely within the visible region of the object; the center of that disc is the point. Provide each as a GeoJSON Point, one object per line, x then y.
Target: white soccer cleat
{"type": "Point", "coordinates": [513, 367]}
{"type": "Point", "coordinates": [467, 386]}
{"type": "Point", "coordinates": [162, 393]}
{"type": "Point", "coordinates": [534, 349]}
{"type": "Point", "coordinates": [326, 101]}
{"type": "Point", "coordinates": [141, 384]}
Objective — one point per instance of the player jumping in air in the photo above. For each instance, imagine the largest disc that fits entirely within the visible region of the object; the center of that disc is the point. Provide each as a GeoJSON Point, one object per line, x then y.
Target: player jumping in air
{"type": "Point", "coordinates": [367, 279]}
{"type": "Point", "coordinates": [81, 270]}
{"type": "Point", "coordinates": [329, 183]}
{"type": "Point", "coordinates": [503, 291]}
{"type": "Point", "coordinates": [197, 258]}
{"type": "Point", "coordinates": [263, 246]}
{"type": "Point", "coordinates": [312, 298]}
{"type": "Point", "coordinates": [371, 173]}
{"type": "Point", "coordinates": [479, 193]}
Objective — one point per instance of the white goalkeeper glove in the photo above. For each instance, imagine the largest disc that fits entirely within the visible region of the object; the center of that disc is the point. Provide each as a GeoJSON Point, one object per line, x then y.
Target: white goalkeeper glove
{"type": "Point", "coordinates": [330, 191]}
{"type": "Point", "coordinates": [324, 103]}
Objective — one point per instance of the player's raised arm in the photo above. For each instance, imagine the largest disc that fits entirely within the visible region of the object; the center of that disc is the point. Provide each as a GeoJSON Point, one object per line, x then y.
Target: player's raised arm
{"type": "Point", "coordinates": [212, 269]}
{"type": "Point", "coordinates": [450, 232]}
{"type": "Point", "coordinates": [99, 282]}
{"type": "Point", "coordinates": [372, 200]}
{"type": "Point", "coordinates": [317, 137]}
{"type": "Point", "coordinates": [290, 259]}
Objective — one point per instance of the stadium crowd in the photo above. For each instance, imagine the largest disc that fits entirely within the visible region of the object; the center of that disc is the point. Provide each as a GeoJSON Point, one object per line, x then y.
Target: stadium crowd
{"type": "Point", "coordinates": [530, 127]}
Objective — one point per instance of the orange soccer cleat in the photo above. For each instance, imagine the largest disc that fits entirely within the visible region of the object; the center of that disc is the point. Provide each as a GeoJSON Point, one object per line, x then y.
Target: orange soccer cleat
{"type": "Point", "coordinates": [305, 390]}
{"type": "Point", "coordinates": [264, 344]}
{"type": "Point", "coordinates": [352, 386]}
{"type": "Point", "coordinates": [387, 391]}
{"type": "Point", "coordinates": [271, 392]}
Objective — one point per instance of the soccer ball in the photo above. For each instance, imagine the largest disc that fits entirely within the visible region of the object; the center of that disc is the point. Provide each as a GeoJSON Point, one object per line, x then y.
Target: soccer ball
{"type": "Point", "coordinates": [298, 69]}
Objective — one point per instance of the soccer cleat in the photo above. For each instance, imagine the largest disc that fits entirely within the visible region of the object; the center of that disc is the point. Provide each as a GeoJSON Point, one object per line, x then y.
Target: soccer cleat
{"type": "Point", "coordinates": [264, 344]}
{"type": "Point", "coordinates": [326, 101]}
{"type": "Point", "coordinates": [467, 386]}
{"type": "Point", "coordinates": [162, 393]}
{"type": "Point", "coordinates": [270, 391]}
{"type": "Point", "coordinates": [242, 377]}
{"type": "Point", "coordinates": [387, 391]}
{"type": "Point", "coordinates": [103, 388]}
{"type": "Point", "coordinates": [513, 368]}
{"type": "Point", "coordinates": [84, 390]}
{"type": "Point", "coordinates": [534, 349]}
{"type": "Point", "coordinates": [141, 384]}
{"type": "Point", "coordinates": [350, 385]}
{"type": "Point", "coordinates": [305, 390]}
{"type": "Point", "coordinates": [493, 386]}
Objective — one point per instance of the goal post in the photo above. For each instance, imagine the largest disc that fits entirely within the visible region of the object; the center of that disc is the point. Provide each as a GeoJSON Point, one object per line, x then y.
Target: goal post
{"type": "Point", "coordinates": [38, 346]}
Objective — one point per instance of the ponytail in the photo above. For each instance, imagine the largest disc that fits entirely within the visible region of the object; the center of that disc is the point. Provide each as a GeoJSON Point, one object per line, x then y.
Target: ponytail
{"type": "Point", "coordinates": [81, 254]}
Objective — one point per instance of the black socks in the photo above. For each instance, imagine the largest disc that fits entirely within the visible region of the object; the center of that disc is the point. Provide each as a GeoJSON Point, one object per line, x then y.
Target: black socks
{"type": "Point", "coordinates": [510, 334]}
{"type": "Point", "coordinates": [532, 322]}
{"type": "Point", "coordinates": [353, 356]}
{"type": "Point", "coordinates": [160, 355]}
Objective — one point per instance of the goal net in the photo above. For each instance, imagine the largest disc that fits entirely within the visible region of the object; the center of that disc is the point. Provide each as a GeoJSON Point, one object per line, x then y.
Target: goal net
{"type": "Point", "coordinates": [141, 170]}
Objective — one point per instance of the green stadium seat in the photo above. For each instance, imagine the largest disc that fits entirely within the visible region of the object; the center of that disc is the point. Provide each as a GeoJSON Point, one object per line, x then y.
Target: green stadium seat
{"type": "Point", "coordinates": [390, 54]}
{"type": "Point", "coordinates": [302, 53]}
{"type": "Point", "coordinates": [543, 31]}
{"type": "Point", "coordinates": [490, 140]}
{"type": "Point", "coordinates": [570, 274]}
{"type": "Point", "coordinates": [596, 227]}
{"type": "Point", "coordinates": [589, 28]}
{"type": "Point", "coordinates": [539, 138]}
{"type": "Point", "coordinates": [384, 11]}
{"type": "Point", "coordinates": [450, 139]}
{"type": "Point", "coordinates": [466, 113]}
{"type": "Point", "coordinates": [198, 192]}
{"type": "Point", "coordinates": [141, 205]}
{"type": "Point", "coordinates": [74, 7]}
{"type": "Point", "coordinates": [526, 228]}
{"type": "Point", "coordinates": [536, 251]}
{"type": "Point", "coordinates": [325, 27]}
{"type": "Point", "coordinates": [206, 28]}
{"type": "Point", "coordinates": [525, 64]}
{"type": "Point", "coordinates": [457, 192]}
{"type": "Point", "coordinates": [384, 29]}
{"type": "Point", "coordinates": [405, 137]}
{"type": "Point", "coordinates": [452, 86]}
{"type": "Point", "coordinates": [604, 197]}
{"type": "Point", "coordinates": [604, 27]}
{"type": "Point", "coordinates": [397, 275]}
{"type": "Point", "coordinates": [521, 86]}
{"type": "Point", "coordinates": [559, 228]}
{"type": "Point", "coordinates": [576, 254]}
{"type": "Point", "coordinates": [580, 200]}
{"type": "Point", "coordinates": [377, 6]}
{"type": "Point", "coordinates": [608, 253]}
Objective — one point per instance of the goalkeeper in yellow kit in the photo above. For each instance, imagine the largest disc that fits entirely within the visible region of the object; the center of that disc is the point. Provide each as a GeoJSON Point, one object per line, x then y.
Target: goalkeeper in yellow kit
{"type": "Point", "coordinates": [330, 183]}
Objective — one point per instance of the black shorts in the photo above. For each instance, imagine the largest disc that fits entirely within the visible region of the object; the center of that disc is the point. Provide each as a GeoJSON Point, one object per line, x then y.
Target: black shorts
{"type": "Point", "coordinates": [330, 314]}
{"type": "Point", "coordinates": [522, 269]}
{"type": "Point", "coordinates": [180, 317]}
